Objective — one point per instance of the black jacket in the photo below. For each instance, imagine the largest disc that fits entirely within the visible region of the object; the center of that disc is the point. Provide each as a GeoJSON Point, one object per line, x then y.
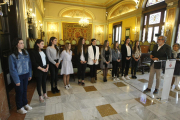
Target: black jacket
{"type": "Point", "coordinates": [124, 51]}
{"type": "Point", "coordinates": [36, 62]}
{"type": "Point", "coordinates": [163, 53]}
{"type": "Point", "coordinates": [78, 60]}
{"type": "Point", "coordinates": [176, 70]}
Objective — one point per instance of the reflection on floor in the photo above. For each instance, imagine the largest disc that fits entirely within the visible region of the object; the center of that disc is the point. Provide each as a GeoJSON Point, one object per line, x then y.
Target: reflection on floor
{"type": "Point", "coordinates": [121, 100]}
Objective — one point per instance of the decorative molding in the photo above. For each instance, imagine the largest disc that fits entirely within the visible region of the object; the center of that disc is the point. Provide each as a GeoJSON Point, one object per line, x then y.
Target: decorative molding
{"type": "Point", "coordinates": [76, 9]}
{"type": "Point", "coordinates": [76, 14]}
{"type": "Point", "coordinates": [119, 5]}
{"type": "Point", "coordinates": [134, 13]}
{"type": "Point", "coordinates": [103, 4]}
{"type": "Point", "coordinates": [123, 9]}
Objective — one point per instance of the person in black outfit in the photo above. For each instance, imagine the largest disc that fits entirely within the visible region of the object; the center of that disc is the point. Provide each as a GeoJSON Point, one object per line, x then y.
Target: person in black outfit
{"type": "Point", "coordinates": [126, 51]}
{"type": "Point", "coordinates": [135, 59]}
{"type": "Point", "coordinates": [40, 65]}
{"type": "Point", "coordinates": [176, 55]}
{"type": "Point", "coordinates": [81, 59]}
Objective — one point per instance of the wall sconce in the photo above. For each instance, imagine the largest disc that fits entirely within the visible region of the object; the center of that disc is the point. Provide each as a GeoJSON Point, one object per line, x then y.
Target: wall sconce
{"type": "Point", "coordinates": [99, 30]}
{"type": "Point", "coordinates": [135, 30]}
{"type": "Point", "coordinates": [168, 27]}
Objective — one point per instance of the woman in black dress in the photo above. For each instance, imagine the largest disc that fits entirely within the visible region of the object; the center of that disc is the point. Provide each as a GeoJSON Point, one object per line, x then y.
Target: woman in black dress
{"type": "Point", "coordinates": [106, 59]}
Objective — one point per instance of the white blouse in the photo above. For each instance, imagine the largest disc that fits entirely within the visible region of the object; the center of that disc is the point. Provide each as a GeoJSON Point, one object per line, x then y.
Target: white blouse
{"type": "Point", "coordinates": [43, 57]}
{"type": "Point", "coordinates": [82, 56]}
{"type": "Point", "coordinates": [128, 50]}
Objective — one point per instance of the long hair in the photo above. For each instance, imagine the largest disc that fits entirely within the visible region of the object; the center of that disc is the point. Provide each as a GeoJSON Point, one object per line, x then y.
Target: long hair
{"type": "Point", "coordinates": [128, 43]}
{"type": "Point", "coordinates": [67, 46]}
{"type": "Point", "coordinates": [134, 50]}
{"type": "Point", "coordinates": [79, 46]}
{"type": "Point", "coordinates": [115, 46]}
{"type": "Point", "coordinates": [15, 49]}
{"type": "Point", "coordinates": [105, 44]}
{"type": "Point", "coordinates": [50, 44]}
{"type": "Point", "coordinates": [36, 47]}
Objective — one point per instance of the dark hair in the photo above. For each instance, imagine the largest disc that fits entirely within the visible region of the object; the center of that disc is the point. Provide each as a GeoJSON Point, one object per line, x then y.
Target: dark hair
{"type": "Point", "coordinates": [36, 47]}
{"type": "Point", "coordinates": [105, 44]}
{"type": "Point", "coordinates": [50, 44]}
{"type": "Point", "coordinates": [92, 40]}
{"type": "Point", "coordinates": [126, 40]}
{"type": "Point", "coordinates": [115, 42]}
{"type": "Point", "coordinates": [134, 50]}
{"type": "Point", "coordinates": [79, 46]}
{"type": "Point", "coordinates": [15, 49]}
{"type": "Point", "coordinates": [176, 44]}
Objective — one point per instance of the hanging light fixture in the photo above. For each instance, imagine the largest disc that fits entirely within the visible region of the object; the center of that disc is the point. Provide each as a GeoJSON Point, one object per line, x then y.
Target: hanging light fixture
{"type": "Point", "coordinates": [83, 21]}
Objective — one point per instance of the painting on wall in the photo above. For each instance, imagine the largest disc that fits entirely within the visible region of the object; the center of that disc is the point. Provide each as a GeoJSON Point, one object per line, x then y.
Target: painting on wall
{"type": "Point", "coordinates": [127, 33]}
{"type": "Point", "coordinates": [71, 31]}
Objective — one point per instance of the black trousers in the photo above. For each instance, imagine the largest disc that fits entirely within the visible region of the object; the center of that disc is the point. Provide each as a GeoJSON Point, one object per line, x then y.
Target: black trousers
{"type": "Point", "coordinates": [115, 66]}
{"type": "Point", "coordinates": [125, 65]}
{"type": "Point", "coordinates": [54, 74]}
{"type": "Point", "coordinates": [41, 81]}
{"type": "Point", "coordinates": [21, 91]}
{"type": "Point", "coordinates": [93, 70]}
{"type": "Point", "coordinates": [81, 70]}
{"type": "Point", "coordinates": [134, 66]}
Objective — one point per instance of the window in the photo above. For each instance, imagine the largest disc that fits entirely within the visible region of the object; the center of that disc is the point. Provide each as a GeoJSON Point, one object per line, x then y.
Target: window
{"type": "Point", "coordinates": [153, 2]}
{"type": "Point", "coordinates": [155, 18]}
{"type": "Point", "coordinates": [117, 30]}
{"type": "Point", "coordinates": [153, 24]}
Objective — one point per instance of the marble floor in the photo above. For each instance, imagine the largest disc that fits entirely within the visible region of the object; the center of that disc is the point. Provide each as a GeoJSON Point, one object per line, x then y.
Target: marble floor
{"type": "Point", "coordinates": [122, 100]}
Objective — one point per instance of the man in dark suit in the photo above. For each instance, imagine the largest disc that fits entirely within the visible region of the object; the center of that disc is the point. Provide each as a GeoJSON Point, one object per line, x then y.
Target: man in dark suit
{"type": "Point", "coordinates": [161, 51]}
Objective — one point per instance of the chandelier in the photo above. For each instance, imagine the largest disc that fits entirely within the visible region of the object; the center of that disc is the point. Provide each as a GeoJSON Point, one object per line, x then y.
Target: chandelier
{"type": "Point", "coordinates": [84, 22]}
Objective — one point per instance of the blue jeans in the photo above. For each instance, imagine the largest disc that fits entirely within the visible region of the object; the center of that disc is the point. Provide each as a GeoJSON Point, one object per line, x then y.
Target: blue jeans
{"type": "Point", "coordinates": [21, 91]}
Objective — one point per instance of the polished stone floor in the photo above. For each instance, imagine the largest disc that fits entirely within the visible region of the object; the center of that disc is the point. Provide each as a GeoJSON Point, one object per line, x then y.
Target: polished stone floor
{"type": "Point", "coordinates": [122, 100]}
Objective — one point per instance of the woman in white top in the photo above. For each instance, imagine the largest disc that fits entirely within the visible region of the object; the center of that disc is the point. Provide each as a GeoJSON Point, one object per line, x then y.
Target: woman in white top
{"type": "Point", "coordinates": [93, 57]}
{"type": "Point", "coordinates": [135, 59]}
{"type": "Point", "coordinates": [40, 65]}
{"type": "Point", "coordinates": [126, 51]}
{"type": "Point", "coordinates": [67, 67]}
{"type": "Point", "coordinates": [53, 54]}
{"type": "Point", "coordinates": [81, 55]}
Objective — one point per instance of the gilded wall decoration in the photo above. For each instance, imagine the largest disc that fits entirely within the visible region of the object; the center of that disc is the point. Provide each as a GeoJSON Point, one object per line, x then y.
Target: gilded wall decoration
{"type": "Point", "coordinates": [52, 30]}
{"type": "Point", "coordinates": [122, 10]}
{"type": "Point", "coordinates": [76, 14]}
{"type": "Point", "coordinates": [99, 33]}
{"type": "Point", "coordinates": [170, 21]}
{"type": "Point", "coordinates": [71, 31]}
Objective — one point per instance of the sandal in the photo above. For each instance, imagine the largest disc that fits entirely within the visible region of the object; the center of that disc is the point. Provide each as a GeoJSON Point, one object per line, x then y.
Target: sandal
{"type": "Point", "coordinates": [79, 83]}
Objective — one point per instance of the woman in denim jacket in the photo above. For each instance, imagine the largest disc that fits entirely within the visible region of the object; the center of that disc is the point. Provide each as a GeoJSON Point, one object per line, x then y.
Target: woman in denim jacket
{"type": "Point", "coordinates": [21, 72]}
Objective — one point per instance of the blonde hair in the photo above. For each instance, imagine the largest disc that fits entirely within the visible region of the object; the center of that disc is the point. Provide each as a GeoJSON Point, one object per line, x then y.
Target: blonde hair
{"type": "Point", "coordinates": [67, 46]}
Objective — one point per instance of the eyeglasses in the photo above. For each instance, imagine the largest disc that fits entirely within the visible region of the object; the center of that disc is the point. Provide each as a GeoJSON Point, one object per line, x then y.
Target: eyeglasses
{"type": "Point", "coordinates": [160, 39]}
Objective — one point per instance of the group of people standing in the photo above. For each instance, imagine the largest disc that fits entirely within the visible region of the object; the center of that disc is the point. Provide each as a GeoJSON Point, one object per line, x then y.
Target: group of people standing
{"type": "Point", "coordinates": [21, 66]}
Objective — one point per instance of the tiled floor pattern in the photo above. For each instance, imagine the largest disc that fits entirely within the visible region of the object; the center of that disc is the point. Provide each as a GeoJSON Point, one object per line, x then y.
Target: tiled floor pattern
{"type": "Point", "coordinates": [121, 100]}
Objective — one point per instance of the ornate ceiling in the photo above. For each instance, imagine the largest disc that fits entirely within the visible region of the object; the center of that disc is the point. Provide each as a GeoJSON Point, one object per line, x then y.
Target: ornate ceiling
{"type": "Point", "coordinates": [94, 3]}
